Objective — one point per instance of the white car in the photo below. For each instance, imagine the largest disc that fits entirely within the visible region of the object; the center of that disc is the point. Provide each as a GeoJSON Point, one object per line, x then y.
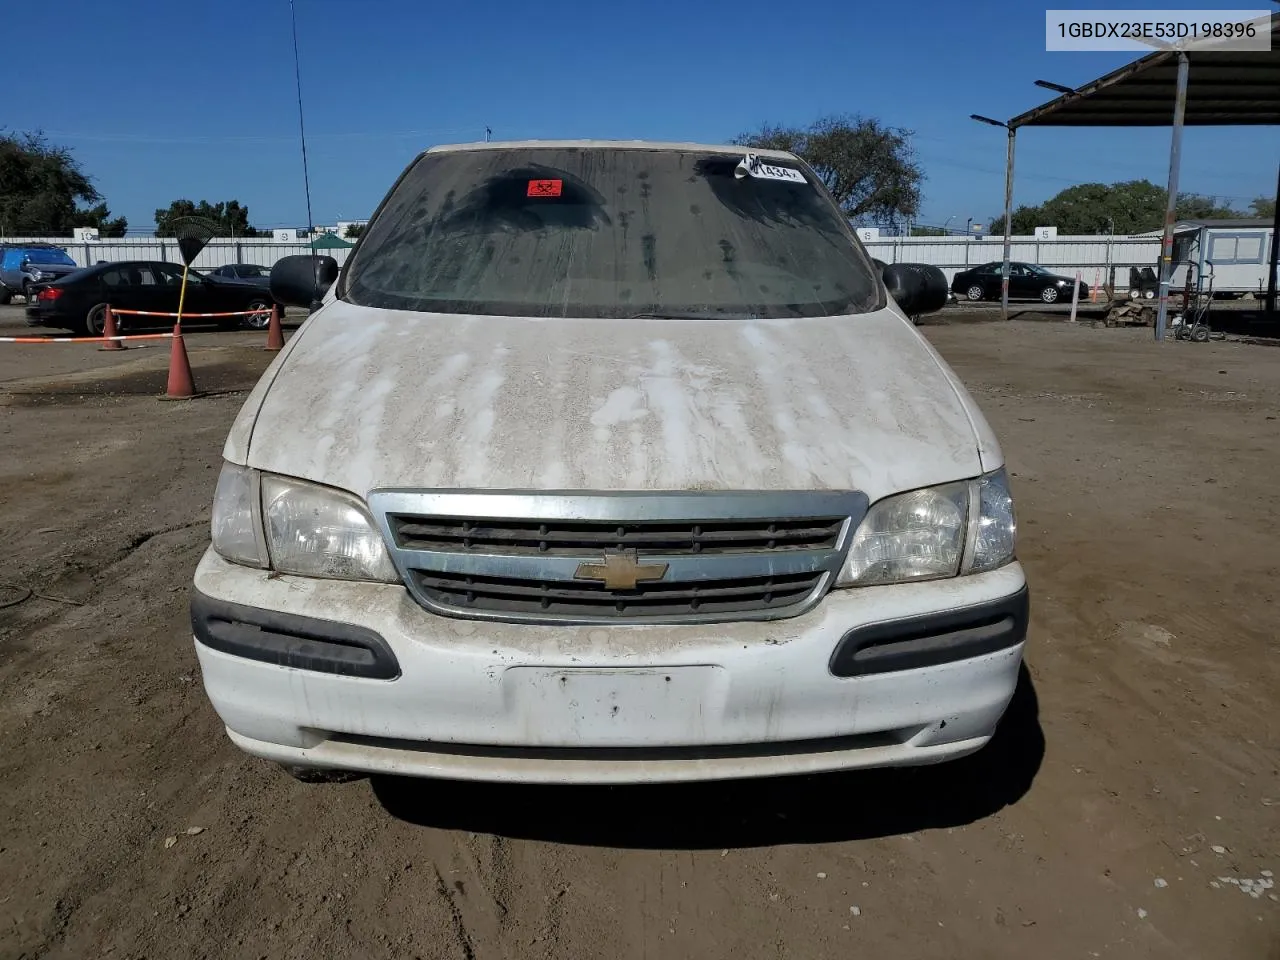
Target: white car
{"type": "Point", "coordinates": [607, 463]}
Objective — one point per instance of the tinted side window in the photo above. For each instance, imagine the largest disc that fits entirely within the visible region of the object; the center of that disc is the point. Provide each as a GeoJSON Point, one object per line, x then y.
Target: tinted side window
{"type": "Point", "coordinates": [172, 277]}
{"type": "Point", "coordinates": [130, 276]}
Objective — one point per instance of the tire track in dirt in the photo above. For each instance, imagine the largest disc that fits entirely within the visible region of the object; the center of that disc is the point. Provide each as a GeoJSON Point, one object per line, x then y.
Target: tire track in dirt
{"type": "Point", "coordinates": [472, 874]}
{"type": "Point", "coordinates": [461, 931]}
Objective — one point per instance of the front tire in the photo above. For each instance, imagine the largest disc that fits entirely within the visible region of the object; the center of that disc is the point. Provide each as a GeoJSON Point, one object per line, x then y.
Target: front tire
{"type": "Point", "coordinates": [975, 292]}
{"type": "Point", "coordinates": [260, 320]}
{"type": "Point", "coordinates": [1049, 294]}
{"type": "Point", "coordinates": [6, 295]}
{"type": "Point", "coordinates": [28, 291]}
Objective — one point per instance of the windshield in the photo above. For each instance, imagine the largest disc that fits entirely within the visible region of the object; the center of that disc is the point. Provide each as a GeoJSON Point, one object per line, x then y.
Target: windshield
{"type": "Point", "coordinates": [609, 232]}
{"type": "Point", "coordinates": [40, 255]}
{"type": "Point", "coordinates": [1039, 270]}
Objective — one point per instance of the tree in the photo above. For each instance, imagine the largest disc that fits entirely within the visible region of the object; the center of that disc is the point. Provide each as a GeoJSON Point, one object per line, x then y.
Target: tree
{"type": "Point", "coordinates": [41, 187]}
{"type": "Point", "coordinates": [1191, 206]}
{"type": "Point", "coordinates": [229, 218]}
{"type": "Point", "coordinates": [100, 217]}
{"type": "Point", "coordinates": [1263, 207]}
{"type": "Point", "coordinates": [869, 168]}
{"type": "Point", "coordinates": [354, 231]}
{"type": "Point", "coordinates": [1133, 206]}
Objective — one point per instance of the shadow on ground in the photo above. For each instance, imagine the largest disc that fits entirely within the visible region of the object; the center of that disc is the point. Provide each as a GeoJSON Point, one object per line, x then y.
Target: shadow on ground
{"type": "Point", "coordinates": [210, 378]}
{"type": "Point", "coordinates": [744, 813]}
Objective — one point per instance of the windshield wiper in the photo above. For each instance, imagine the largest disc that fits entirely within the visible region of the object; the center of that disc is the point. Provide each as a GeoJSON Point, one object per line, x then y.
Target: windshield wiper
{"type": "Point", "coordinates": [676, 315]}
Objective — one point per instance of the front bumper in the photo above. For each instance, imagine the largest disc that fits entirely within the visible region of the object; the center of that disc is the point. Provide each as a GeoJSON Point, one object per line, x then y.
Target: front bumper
{"type": "Point", "coordinates": [532, 703]}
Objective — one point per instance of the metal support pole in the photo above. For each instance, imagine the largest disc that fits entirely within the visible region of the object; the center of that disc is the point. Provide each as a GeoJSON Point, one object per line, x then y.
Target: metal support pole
{"type": "Point", "coordinates": [1008, 227]}
{"type": "Point", "coordinates": [1274, 259]}
{"type": "Point", "coordinates": [1111, 270]}
{"type": "Point", "coordinates": [1175, 163]}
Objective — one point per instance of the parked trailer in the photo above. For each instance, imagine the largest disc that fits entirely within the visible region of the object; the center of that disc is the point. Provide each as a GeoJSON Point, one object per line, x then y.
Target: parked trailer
{"type": "Point", "coordinates": [1238, 250]}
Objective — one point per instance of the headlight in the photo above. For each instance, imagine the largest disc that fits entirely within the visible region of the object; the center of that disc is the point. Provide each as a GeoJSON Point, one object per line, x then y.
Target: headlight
{"type": "Point", "coordinates": [913, 536]}
{"type": "Point", "coordinates": [316, 531]}
{"type": "Point", "coordinates": [936, 532]}
{"type": "Point", "coordinates": [235, 527]}
{"type": "Point", "coordinates": [997, 525]}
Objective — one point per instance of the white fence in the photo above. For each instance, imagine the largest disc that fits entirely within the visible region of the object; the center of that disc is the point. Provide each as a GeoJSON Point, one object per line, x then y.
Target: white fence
{"type": "Point", "coordinates": [1088, 254]}
{"type": "Point", "coordinates": [1065, 255]}
{"type": "Point", "coordinates": [262, 250]}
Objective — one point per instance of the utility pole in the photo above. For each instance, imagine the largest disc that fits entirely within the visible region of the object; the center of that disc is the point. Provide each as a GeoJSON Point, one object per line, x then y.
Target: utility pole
{"type": "Point", "coordinates": [1008, 209]}
{"type": "Point", "coordinates": [1175, 165]}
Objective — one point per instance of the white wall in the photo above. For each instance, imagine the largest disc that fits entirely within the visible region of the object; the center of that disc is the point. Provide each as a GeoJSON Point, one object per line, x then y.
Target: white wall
{"type": "Point", "coordinates": [263, 250]}
{"type": "Point", "coordinates": [952, 254]}
{"type": "Point", "coordinates": [1063, 254]}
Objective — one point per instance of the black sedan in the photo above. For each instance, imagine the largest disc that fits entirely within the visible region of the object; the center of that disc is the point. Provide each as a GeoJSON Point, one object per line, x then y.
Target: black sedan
{"type": "Point", "coordinates": [242, 271]}
{"type": "Point", "coordinates": [254, 273]}
{"type": "Point", "coordinates": [1027, 281]}
{"type": "Point", "coordinates": [79, 301]}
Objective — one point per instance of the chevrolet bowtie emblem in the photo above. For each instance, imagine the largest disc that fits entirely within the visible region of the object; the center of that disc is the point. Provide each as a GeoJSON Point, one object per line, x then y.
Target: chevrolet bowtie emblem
{"type": "Point", "coordinates": [621, 571]}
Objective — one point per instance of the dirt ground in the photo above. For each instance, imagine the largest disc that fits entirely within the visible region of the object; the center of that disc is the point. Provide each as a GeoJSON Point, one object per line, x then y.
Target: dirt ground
{"type": "Point", "coordinates": [1130, 806]}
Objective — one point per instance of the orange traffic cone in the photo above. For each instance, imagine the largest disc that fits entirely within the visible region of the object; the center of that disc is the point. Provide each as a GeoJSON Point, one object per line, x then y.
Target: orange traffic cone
{"type": "Point", "coordinates": [109, 333]}
{"type": "Point", "coordinates": [275, 336]}
{"type": "Point", "coordinates": [181, 385]}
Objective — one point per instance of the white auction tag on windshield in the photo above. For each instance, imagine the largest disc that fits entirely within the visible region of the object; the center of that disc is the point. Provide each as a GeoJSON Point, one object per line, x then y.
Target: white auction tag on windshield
{"type": "Point", "coordinates": [752, 165]}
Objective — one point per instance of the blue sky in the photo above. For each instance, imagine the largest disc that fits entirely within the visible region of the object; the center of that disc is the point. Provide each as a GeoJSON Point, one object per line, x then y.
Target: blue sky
{"type": "Point", "coordinates": [161, 100]}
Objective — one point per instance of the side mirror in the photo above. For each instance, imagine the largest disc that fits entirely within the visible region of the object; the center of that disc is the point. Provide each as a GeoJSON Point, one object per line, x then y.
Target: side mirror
{"type": "Point", "coordinates": [916, 287]}
{"type": "Point", "coordinates": [302, 280]}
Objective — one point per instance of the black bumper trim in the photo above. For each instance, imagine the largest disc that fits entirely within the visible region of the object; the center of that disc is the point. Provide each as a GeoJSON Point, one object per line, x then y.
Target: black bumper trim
{"type": "Point", "coordinates": [289, 640]}
{"type": "Point", "coordinates": [933, 639]}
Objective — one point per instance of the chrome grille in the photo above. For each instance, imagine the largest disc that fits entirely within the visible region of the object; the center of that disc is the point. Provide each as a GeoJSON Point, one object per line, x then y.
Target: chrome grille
{"type": "Point", "coordinates": [557, 598]}
{"type": "Point", "coordinates": [536, 557]}
{"type": "Point", "coordinates": [578, 537]}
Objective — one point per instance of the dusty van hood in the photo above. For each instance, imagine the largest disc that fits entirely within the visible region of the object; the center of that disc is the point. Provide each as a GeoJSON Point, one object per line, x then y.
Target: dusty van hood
{"type": "Point", "coordinates": [377, 398]}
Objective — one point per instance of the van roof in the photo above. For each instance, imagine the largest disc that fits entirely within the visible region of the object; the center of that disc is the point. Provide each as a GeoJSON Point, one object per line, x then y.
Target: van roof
{"type": "Point", "coordinates": [610, 144]}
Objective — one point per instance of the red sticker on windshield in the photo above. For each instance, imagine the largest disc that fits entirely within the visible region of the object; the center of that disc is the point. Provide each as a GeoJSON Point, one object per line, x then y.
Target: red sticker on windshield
{"type": "Point", "coordinates": [545, 188]}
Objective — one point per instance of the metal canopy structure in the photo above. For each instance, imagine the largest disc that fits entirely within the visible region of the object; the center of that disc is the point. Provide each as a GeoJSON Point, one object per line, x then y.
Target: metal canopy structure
{"type": "Point", "coordinates": [1224, 88]}
{"type": "Point", "coordinates": [1202, 86]}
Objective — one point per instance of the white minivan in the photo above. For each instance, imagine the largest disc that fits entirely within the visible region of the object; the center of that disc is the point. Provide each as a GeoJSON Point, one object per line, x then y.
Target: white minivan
{"type": "Point", "coordinates": [609, 462]}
